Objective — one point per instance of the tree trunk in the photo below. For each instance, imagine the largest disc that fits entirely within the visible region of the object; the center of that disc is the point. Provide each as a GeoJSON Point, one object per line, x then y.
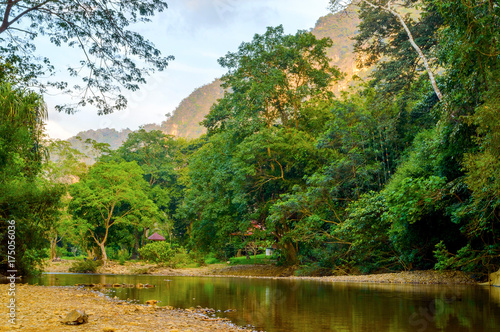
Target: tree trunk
{"type": "Point", "coordinates": [290, 253]}
{"type": "Point", "coordinates": [53, 245]}
{"type": "Point", "coordinates": [103, 253]}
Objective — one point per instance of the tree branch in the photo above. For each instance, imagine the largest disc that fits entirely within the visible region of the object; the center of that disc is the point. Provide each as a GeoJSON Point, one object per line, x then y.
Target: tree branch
{"type": "Point", "coordinates": [412, 42]}
{"type": "Point", "coordinates": [6, 24]}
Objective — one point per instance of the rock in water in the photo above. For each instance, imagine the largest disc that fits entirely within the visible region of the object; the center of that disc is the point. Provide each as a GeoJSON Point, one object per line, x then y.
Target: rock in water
{"type": "Point", "coordinates": [76, 317]}
{"type": "Point", "coordinates": [495, 279]}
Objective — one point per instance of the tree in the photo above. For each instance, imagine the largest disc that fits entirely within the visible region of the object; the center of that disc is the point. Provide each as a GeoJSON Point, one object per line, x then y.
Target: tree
{"type": "Point", "coordinates": [110, 194]}
{"type": "Point", "coordinates": [64, 167]}
{"type": "Point", "coordinates": [260, 135]}
{"type": "Point", "coordinates": [381, 28]}
{"type": "Point", "coordinates": [469, 50]}
{"type": "Point", "coordinates": [25, 196]}
{"type": "Point", "coordinates": [114, 58]}
{"type": "Point", "coordinates": [160, 157]}
{"type": "Point", "coordinates": [271, 79]}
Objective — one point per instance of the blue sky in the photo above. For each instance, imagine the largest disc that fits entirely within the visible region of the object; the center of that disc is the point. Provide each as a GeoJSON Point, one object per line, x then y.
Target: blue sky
{"type": "Point", "coordinates": [197, 33]}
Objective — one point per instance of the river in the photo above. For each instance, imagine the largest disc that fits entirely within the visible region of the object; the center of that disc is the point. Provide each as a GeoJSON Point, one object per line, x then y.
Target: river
{"type": "Point", "coordinates": [311, 306]}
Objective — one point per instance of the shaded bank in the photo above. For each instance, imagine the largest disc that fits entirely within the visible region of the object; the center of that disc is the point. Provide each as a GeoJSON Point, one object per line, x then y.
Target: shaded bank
{"type": "Point", "coordinates": [271, 271]}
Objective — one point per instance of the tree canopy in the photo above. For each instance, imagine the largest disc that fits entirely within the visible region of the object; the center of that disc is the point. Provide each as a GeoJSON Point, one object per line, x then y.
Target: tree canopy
{"type": "Point", "coordinates": [113, 57]}
{"type": "Point", "coordinates": [110, 194]}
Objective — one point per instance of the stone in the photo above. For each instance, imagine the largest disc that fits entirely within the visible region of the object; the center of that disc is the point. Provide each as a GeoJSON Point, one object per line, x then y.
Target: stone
{"type": "Point", "coordinates": [76, 317]}
{"type": "Point", "coordinates": [151, 302]}
{"type": "Point", "coordinates": [495, 278]}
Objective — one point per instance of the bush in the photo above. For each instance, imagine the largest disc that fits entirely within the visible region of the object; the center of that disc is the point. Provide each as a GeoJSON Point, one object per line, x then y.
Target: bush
{"type": "Point", "coordinates": [123, 255]}
{"type": "Point", "coordinates": [157, 252]}
{"type": "Point", "coordinates": [184, 259]}
{"type": "Point", "coordinates": [87, 266]}
{"type": "Point", "coordinates": [211, 259]}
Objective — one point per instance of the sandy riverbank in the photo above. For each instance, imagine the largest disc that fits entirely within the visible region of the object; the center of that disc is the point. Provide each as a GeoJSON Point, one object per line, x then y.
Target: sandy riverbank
{"type": "Point", "coordinates": [41, 308]}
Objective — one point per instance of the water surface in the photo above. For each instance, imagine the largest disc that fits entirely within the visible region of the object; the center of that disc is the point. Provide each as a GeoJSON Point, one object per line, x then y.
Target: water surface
{"type": "Point", "coordinates": [312, 306]}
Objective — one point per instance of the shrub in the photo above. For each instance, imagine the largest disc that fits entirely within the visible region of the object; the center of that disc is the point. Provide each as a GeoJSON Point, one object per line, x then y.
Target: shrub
{"type": "Point", "coordinates": [123, 255]}
{"type": "Point", "coordinates": [87, 266]}
{"type": "Point", "coordinates": [211, 259]}
{"type": "Point", "coordinates": [183, 259]}
{"type": "Point", "coordinates": [158, 252]}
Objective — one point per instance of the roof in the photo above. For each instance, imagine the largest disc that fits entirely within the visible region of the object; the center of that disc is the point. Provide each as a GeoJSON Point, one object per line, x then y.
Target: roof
{"type": "Point", "coordinates": [255, 225]}
{"type": "Point", "coordinates": [156, 237]}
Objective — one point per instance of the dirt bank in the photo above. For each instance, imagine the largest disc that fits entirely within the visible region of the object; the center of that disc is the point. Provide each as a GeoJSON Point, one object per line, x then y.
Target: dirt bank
{"type": "Point", "coordinates": [271, 271]}
{"type": "Point", "coordinates": [41, 308]}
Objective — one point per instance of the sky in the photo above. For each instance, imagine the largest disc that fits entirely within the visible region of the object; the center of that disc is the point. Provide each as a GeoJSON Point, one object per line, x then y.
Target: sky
{"type": "Point", "coordinates": [196, 33]}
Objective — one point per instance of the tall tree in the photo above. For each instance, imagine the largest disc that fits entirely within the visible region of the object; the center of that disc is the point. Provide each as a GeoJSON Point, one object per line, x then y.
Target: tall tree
{"type": "Point", "coordinates": [160, 157]}
{"type": "Point", "coordinates": [270, 80]}
{"type": "Point", "coordinates": [111, 193]}
{"type": "Point", "coordinates": [64, 167]}
{"type": "Point", "coordinates": [113, 57]}
{"type": "Point", "coordinates": [25, 197]}
{"type": "Point", "coordinates": [264, 129]}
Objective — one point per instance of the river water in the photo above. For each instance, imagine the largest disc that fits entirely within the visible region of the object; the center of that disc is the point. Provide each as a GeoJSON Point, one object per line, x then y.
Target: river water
{"type": "Point", "coordinates": [311, 306]}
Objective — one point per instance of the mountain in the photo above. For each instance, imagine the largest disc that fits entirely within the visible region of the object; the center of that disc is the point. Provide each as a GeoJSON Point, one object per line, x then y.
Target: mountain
{"type": "Point", "coordinates": [185, 120]}
{"type": "Point", "coordinates": [113, 137]}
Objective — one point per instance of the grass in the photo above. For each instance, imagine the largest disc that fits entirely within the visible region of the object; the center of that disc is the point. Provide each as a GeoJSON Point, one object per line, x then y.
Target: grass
{"type": "Point", "coordinates": [70, 258]}
{"type": "Point", "coordinates": [259, 259]}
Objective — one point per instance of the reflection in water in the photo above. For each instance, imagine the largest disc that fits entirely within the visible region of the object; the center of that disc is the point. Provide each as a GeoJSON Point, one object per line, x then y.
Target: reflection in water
{"type": "Point", "coordinates": [301, 305]}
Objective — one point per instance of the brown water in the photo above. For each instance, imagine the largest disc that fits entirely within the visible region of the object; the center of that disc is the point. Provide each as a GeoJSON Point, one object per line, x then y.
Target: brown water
{"type": "Point", "coordinates": [306, 305]}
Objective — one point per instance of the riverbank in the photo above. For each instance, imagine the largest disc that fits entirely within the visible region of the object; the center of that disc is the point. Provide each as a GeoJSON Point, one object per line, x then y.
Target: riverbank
{"type": "Point", "coordinates": [271, 271]}
{"type": "Point", "coordinates": [41, 308]}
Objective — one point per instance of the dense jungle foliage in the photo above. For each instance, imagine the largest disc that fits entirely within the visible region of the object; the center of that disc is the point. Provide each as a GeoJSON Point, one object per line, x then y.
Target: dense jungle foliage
{"type": "Point", "coordinates": [382, 177]}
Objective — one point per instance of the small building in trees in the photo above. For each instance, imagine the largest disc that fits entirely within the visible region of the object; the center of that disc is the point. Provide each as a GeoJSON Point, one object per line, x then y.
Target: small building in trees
{"type": "Point", "coordinates": [156, 237]}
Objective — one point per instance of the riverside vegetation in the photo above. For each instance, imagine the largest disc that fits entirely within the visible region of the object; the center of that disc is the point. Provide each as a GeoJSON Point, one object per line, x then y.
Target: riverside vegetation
{"type": "Point", "coordinates": [388, 175]}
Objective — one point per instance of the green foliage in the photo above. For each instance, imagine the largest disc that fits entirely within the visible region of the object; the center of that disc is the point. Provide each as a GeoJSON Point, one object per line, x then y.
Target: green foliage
{"type": "Point", "coordinates": [211, 259]}
{"type": "Point", "coordinates": [25, 197]}
{"type": "Point", "coordinates": [114, 57]}
{"type": "Point", "coordinates": [86, 266]}
{"type": "Point", "coordinates": [111, 194]}
{"type": "Point", "coordinates": [258, 259]}
{"type": "Point", "coordinates": [182, 259]}
{"type": "Point", "coordinates": [270, 79]}
{"type": "Point", "coordinates": [465, 259]}
{"type": "Point", "coordinates": [158, 252]}
{"type": "Point", "coordinates": [365, 233]}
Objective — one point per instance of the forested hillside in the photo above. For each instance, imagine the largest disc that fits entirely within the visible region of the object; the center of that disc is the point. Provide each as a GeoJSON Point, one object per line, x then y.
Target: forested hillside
{"type": "Point", "coordinates": [186, 118]}
{"type": "Point", "coordinates": [111, 136]}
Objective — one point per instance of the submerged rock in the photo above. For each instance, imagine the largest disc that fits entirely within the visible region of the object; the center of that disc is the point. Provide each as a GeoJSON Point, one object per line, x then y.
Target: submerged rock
{"type": "Point", "coordinates": [76, 317]}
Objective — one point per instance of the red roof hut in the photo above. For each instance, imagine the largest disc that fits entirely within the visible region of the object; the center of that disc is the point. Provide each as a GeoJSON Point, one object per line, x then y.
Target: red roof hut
{"type": "Point", "coordinates": [156, 237]}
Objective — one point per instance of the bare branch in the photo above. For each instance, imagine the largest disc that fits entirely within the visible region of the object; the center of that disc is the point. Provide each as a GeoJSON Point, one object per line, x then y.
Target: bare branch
{"type": "Point", "coordinates": [412, 42]}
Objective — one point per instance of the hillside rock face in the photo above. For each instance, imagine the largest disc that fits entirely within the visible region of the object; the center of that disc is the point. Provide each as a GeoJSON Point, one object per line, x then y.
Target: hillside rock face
{"type": "Point", "coordinates": [185, 121]}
